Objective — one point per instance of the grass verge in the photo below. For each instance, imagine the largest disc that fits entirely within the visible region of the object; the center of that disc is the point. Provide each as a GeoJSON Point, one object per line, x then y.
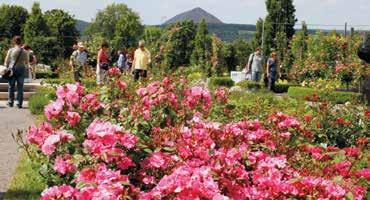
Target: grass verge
{"type": "Point", "coordinates": [26, 184]}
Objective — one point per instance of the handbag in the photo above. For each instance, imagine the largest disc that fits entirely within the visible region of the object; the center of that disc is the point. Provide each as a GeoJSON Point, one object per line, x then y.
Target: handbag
{"type": "Point", "coordinates": [8, 72]}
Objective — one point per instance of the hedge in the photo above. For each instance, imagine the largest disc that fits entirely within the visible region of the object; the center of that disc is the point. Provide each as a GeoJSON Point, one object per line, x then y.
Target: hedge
{"type": "Point", "coordinates": [43, 75]}
{"type": "Point", "coordinates": [221, 82]}
{"type": "Point", "coordinates": [250, 85]}
{"type": "Point", "coordinates": [335, 97]}
{"type": "Point", "coordinates": [279, 87]}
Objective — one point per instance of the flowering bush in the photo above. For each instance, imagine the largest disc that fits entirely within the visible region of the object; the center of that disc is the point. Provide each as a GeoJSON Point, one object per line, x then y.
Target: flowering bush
{"type": "Point", "coordinates": [160, 141]}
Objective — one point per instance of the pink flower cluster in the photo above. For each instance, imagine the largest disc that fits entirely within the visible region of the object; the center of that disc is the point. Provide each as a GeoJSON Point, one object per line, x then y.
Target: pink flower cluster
{"type": "Point", "coordinates": [155, 94]}
{"type": "Point", "coordinates": [103, 140]}
{"type": "Point", "coordinates": [197, 96]}
{"type": "Point", "coordinates": [189, 157]}
{"type": "Point", "coordinates": [46, 138]}
{"type": "Point", "coordinates": [64, 165]}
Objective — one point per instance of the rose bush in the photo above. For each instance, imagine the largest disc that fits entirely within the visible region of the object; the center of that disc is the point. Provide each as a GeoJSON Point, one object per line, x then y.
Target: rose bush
{"type": "Point", "coordinates": [163, 141]}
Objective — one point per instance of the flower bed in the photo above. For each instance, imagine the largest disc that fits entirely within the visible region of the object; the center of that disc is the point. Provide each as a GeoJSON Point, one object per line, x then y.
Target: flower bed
{"type": "Point", "coordinates": [160, 141]}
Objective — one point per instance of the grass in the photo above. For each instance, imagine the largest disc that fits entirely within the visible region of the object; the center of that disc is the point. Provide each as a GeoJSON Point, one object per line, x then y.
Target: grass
{"type": "Point", "coordinates": [26, 184]}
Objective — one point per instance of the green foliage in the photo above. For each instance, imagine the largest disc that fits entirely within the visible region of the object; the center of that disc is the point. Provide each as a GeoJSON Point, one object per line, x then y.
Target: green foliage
{"type": "Point", "coordinates": [230, 57]}
{"type": "Point", "coordinates": [179, 44]}
{"type": "Point", "coordinates": [63, 26]}
{"type": "Point", "coordinates": [43, 75]}
{"type": "Point", "coordinates": [36, 25]}
{"type": "Point", "coordinates": [335, 97]}
{"type": "Point", "coordinates": [242, 51]}
{"type": "Point", "coordinates": [246, 84]}
{"type": "Point", "coordinates": [221, 82]}
{"type": "Point", "coordinates": [40, 99]}
{"type": "Point", "coordinates": [283, 87]}
{"type": "Point", "coordinates": [12, 20]}
{"type": "Point", "coordinates": [119, 24]}
{"type": "Point", "coordinates": [201, 55]}
{"type": "Point", "coordinates": [27, 183]}
{"type": "Point", "coordinates": [46, 49]}
{"type": "Point", "coordinates": [282, 14]}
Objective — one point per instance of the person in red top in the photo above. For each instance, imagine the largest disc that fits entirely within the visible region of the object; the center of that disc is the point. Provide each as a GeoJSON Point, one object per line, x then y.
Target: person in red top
{"type": "Point", "coordinates": [102, 63]}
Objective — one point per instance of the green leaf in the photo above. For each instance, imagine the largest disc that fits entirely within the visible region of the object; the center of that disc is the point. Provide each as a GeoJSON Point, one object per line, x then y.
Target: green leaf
{"type": "Point", "coordinates": [349, 196]}
{"type": "Point", "coordinates": [146, 150]}
{"type": "Point", "coordinates": [80, 185]}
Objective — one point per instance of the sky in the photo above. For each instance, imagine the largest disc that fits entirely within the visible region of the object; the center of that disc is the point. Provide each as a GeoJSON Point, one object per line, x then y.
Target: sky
{"type": "Point", "coordinates": [153, 12]}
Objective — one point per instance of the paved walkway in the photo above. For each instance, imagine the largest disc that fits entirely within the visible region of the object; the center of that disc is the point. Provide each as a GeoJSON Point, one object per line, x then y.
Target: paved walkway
{"type": "Point", "coordinates": [11, 119]}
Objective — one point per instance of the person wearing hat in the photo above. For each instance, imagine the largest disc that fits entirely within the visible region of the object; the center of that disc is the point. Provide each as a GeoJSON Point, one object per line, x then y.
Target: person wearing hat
{"type": "Point", "coordinates": [141, 61]}
{"type": "Point", "coordinates": [78, 61]}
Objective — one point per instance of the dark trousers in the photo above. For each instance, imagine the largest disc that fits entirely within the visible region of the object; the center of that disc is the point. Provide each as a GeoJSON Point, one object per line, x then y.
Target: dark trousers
{"type": "Point", "coordinates": [17, 77]}
{"type": "Point", "coordinates": [272, 79]}
{"type": "Point", "coordinates": [77, 73]}
{"type": "Point", "coordinates": [140, 73]}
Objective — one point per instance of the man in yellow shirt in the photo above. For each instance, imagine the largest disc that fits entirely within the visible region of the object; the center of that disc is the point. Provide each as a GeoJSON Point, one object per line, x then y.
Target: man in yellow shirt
{"type": "Point", "coordinates": [141, 61]}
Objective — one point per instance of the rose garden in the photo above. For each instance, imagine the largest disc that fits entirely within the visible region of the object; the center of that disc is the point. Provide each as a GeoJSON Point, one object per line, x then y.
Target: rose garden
{"type": "Point", "coordinates": [189, 131]}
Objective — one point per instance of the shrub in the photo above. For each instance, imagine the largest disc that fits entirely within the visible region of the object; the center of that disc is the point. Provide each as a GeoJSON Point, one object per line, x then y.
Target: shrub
{"type": "Point", "coordinates": [158, 140]}
{"type": "Point", "coordinates": [221, 82]}
{"type": "Point", "coordinates": [48, 75]}
{"type": "Point", "coordinates": [335, 97]}
{"type": "Point", "coordinates": [250, 84]}
{"type": "Point", "coordinates": [283, 87]}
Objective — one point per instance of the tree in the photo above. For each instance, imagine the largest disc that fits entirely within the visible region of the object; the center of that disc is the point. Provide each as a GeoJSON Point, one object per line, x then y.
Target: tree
{"type": "Point", "coordinates": [35, 25]}
{"type": "Point", "coordinates": [62, 26]}
{"type": "Point", "coordinates": [201, 55]}
{"type": "Point", "coordinates": [153, 37]}
{"type": "Point", "coordinates": [119, 24]}
{"type": "Point", "coordinates": [217, 59]}
{"type": "Point", "coordinates": [230, 58]}
{"type": "Point", "coordinates": [12, 20]}
{"type": "Point", "coordinates": [242, 51]}
{"type": "Point", "coordinates": [282, 15]}
{"type": "Point", "coordinates": [179, 44]}
{"type": "Point", "coordinates": [257, 38]}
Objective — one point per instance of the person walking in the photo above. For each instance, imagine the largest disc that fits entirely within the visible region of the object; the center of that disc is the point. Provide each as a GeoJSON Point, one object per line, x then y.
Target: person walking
{"type": "Point", "coordinates": [121, 62]}
{"type": "Point", "coordinates": [32, 61]}
{"type": "Point", "coordinates": [272, 71]}
{"type": "Point", "coordinates": [78, 61]}
{"type": "Point", "coordinates": [17, 59]}
{"type": "Point", "coordinates": [255, 65]}
{"type": "Point", "coordinates": [141, 61]}
{"type": "Point", "coordinates": [102, 63]}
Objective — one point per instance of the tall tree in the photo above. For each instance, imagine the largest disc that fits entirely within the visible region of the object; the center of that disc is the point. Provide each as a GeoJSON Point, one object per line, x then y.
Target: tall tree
{"type": "Point", "coordinates": [179, 44]}
{"type": "Point", "coordinates": [36, 24]}
{"type": "Point", "coordinates": [119, 24]}
{"type": "Point", "coordinates": [282, 15]}
{"type": "Point", "coordinates": [63, 26]}
{"type": "Point", "coordinates": [12, 20]}
{"type": "Point", "coordinates": [201, 55]}
{"type": "Point", "coordinates": [242, 51]}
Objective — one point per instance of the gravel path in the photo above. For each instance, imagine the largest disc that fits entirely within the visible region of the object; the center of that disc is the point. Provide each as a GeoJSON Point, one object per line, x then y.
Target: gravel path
{"type": "Point", "coordinates": [11, 119]}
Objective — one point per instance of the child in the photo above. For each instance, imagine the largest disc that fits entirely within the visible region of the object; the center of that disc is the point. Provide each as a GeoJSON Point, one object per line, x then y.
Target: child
{"type": "Point", "coordinates": [128, 63]}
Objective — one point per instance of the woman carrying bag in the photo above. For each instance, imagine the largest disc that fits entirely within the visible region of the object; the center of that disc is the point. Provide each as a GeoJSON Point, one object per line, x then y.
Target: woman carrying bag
{"type": "Point", "coordinates": [16, 61]}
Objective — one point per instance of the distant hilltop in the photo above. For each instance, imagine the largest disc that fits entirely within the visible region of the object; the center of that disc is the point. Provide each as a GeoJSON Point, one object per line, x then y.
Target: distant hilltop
{"type": "Point", "coordinates": [196, 14]}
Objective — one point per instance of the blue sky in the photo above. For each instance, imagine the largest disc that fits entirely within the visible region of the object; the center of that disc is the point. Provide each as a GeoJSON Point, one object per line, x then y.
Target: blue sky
{"type": "Point", "coordinates": [354, 12]}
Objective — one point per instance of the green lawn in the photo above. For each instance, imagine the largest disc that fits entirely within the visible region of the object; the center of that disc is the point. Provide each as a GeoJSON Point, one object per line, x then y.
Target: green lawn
{"type": "Point", "coordinates": [26, 184]}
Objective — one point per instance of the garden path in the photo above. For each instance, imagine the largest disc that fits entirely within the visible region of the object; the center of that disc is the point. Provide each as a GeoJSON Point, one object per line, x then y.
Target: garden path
{"type": "Point", "coordinates": [11, 119]}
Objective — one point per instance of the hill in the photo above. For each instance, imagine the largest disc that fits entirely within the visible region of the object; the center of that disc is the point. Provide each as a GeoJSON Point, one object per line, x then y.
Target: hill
{"type": "Point", "coordinates": [81, 26]}
{"type": "Point", "coordinates": [196, 15]}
